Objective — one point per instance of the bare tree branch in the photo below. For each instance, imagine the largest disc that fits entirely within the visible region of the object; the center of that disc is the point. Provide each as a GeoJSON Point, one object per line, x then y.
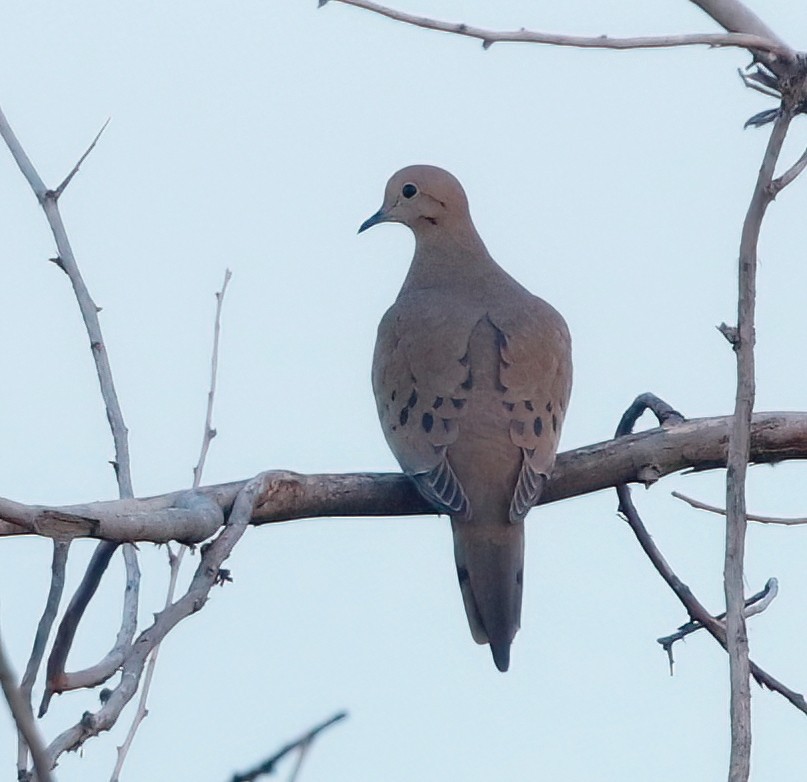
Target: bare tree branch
{"type": "Point", "coordinates": [738, 455]}
{"type": "Point", "coordinates": [142, 711]}
{"type": "Point", "coordinates": [60, 680]}
{"type": "Point", "coordinates": [69, 624]}
{"type": "Point", "coordinates": [756, 42]}
{"type": "Point", "coordinates": [697, 612]}
{"type": "Point", "coordinates": [755, 604]}
{"type": "Point", "coordinates": [735, 17]}
{"type": "Point", "coordinates": [189, 518]}
{"type": "Point", "coordinates": [58, 565]}
{"type": "Point", "coordinates": [301, 743]}
{"type": "Point", "coordinates": [23, 718]}
{"type": "Point", "coordinates": [696, 444]}
{"type": "Point", "coordinates": [750, 516]}
{"type": "Point", "coordinates": [48, 199]}
{"type": "Point", "coordinates": [210, 432]}
{"type": "Point", "coordinates": [175, 560]}
{"type": "Point", "coordinates": [208, 573]}
{"type": "Point", "coordinates": [66, 181]}
{"type": "Point", "coordinates": [781, 182]}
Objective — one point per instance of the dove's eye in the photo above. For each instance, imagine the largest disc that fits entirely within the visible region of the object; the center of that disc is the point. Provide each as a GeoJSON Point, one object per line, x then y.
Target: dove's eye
{"type": "Point", "coordinates": [409, 190]}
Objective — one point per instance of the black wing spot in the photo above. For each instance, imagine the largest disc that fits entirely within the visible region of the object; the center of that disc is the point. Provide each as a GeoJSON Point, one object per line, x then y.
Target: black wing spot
{"type": "Point", "coordinates": [520, 577]}
{"type": "Point", "coordinates": [554, 423]}
{"type": "Point", "coordinates": [469, 381]}
{"type": "Point", "coordinates": [413, 398]}
{"type": "Point", "coordinates": [458, 403]}
{"type": "Point", "coordinates": [427, 422]}
{"type": "Point", "coordinates": [464, 360]}
{"type": "Point", "coordinates": [538, 426]}
{"type": "Point", "coordinates": [438, 402]}
{"type": "Point", "coordinates": [549, 407]}
{"type": "Point", "coordinates": [404, 416]}
{"type": "Point", "coordinates": [393, 395]}
{"type": "Point", "coordinates": [462, 574]}
{"type": "Point", "coordinates": [509, 406]}
{"type": "Point", "coordinates": [529, 405]}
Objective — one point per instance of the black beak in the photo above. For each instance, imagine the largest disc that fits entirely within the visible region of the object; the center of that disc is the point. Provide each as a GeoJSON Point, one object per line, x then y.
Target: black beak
{"type": "Point", "coordinates": [379, 217]}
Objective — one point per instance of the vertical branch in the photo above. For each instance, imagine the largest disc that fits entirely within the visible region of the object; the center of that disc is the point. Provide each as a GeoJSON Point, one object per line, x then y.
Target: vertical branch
{"type": "Point", "coordinates": [175, 560]}
{"type": "Point", "coordinates": [49, 201]}
{"type": "Point", "coordinates": [210, 432]}
{"type": "Point", "coordinates": [23, 718]}
{"type": "Point", "coordinates": [89, 312]}
{"type": "Point", "coordinates": [738, 455]}
{"type": "Point", "coordinates": [58, 565]}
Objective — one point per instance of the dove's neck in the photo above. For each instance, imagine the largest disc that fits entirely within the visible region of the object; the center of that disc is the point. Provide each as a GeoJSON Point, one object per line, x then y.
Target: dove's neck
{"type": "Point", "coordinates": [452, 256]}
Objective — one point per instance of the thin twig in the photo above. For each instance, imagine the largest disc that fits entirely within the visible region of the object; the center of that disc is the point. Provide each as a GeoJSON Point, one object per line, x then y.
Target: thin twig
{"type": "Point", "coordinates": [738, 455]}
{"type": "Point", "coordinates": [489, 37]}
{"type": "Point", "coordinates": [781, 182]}
{"type": "Point", "coordinates": [268, 765]}
{"type": "Point", "coordinates": [755, 604]}
{"type": "Point", "coordinates": [142, 711]}
{"type": "Point", "coordinates": [302, 754]}
{"type": "Point", "coordinates": [750, 516]}
{"type": "Point", "coordinates": [66, 181]}
{"type": "Point", "coordinates": [175, 560]}
{"type": "Point", "coordinates": [23, 718]}
{"type": "Point", "coordinates": [48, 199]}
{"type": "Point", "coordinates": [57, 568]}
{"type": "Point", "coordinates": [210, 432]}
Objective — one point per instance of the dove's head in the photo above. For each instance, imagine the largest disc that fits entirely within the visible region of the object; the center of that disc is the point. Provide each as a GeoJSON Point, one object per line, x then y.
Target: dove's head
{"type": "Point", "coordinates": [422, 197]}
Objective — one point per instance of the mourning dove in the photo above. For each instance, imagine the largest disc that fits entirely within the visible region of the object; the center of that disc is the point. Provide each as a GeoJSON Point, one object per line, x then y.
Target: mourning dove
{"type": "Point", "coordinates": [472, 376]}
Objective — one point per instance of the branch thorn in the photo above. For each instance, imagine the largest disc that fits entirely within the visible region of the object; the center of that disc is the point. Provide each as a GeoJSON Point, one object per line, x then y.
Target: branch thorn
{"type": "Point", "coordinates": [66, 181]}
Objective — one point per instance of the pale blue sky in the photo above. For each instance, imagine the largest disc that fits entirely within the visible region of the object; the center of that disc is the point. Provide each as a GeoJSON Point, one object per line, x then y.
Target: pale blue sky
{"type": "Point", "coordinates": [258, 135]}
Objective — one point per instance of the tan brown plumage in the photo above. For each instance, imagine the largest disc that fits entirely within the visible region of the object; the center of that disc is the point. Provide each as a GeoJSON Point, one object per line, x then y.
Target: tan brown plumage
{"type": "Point", "coordinates": [472, 376]}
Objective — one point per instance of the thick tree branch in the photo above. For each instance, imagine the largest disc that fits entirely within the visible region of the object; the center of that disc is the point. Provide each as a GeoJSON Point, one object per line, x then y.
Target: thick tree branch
{"type": "Point", "coordinates": [696, 444]}
{"type": "Point", "coordinates": [735, 17]}
{"type": "Point", "coordinates": [771, 45]}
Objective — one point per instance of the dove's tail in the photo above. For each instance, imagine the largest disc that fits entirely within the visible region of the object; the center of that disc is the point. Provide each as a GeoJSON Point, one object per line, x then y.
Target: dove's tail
{"type": "Point", "coordinates": [490, 567]}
